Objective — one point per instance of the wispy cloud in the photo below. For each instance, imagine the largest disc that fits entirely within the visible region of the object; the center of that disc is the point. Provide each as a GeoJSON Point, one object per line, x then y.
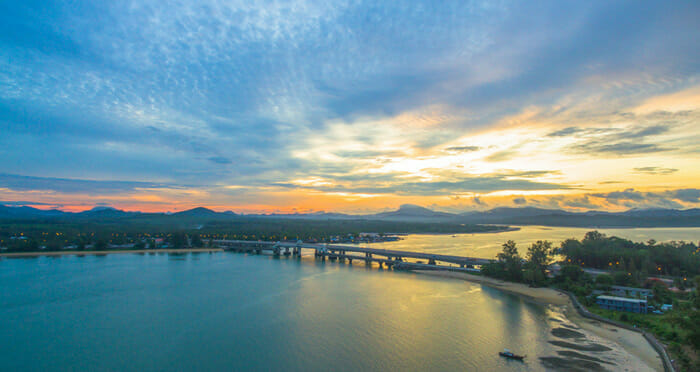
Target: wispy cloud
{"type": "Point", "coordinates": [463, 148]}
{"type": "Point", "coordinates": [655, 170]}
{"type": "Point", "coordinates": [72, 186]}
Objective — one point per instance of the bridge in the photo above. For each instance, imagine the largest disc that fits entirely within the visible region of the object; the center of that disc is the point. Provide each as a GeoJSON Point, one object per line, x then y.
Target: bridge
{"type": "Point", "coordinates": [391, 258]}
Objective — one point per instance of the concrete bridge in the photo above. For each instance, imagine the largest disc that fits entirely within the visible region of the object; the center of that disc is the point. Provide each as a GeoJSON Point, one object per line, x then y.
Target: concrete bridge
{"type": "Point", "coordinates": [391, 258]}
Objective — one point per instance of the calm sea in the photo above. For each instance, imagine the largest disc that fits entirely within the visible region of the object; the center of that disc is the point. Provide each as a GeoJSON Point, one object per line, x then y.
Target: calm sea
{"type": "Point", "coordinates": [488, 245]}
{"type": "Point", "coordinates": [228, 311]}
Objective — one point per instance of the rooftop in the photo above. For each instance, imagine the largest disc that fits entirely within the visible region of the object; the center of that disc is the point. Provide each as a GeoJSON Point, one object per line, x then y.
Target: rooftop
{"type": "Point", "coordinates": [622, 299]}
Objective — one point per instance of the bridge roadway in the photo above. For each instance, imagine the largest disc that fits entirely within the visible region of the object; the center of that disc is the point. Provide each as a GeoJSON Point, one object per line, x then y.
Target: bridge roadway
{"type": "Point", "coordinates": [340, 251]}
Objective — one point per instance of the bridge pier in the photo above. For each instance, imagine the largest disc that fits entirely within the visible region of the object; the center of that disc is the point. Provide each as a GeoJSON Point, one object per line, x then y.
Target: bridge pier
{"type": "Point", "coordinates": [393, 259]}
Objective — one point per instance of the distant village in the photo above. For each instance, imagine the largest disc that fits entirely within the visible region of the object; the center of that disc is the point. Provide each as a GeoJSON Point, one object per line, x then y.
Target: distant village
{"type": "Point", "coordinates": [87, 242]}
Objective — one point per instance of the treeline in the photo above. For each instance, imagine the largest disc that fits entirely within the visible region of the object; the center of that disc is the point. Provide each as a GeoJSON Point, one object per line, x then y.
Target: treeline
{"type": "Point", "coordinates": [28, 236]}
{"type": "Point", "coordinates": [512, 267]}
{"type": "Point", "coordinates": [679, 259]}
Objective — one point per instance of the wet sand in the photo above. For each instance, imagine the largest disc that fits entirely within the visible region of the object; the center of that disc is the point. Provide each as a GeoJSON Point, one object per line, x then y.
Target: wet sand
{"type": "Point", "coordinates": [626, 350]}
{"type": "Point", "coordinates": [83, 253]}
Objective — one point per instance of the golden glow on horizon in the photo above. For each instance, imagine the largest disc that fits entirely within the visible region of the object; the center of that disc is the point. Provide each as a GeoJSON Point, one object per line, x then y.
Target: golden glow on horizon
{"type": "Point", "coordinates": [375, 158]}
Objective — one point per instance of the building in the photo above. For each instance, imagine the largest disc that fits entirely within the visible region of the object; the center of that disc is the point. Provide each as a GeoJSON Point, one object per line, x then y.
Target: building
{"type": "Point", "coordinates": [632, 305]}
{"type": "Point", "coordinates": [618, 290]}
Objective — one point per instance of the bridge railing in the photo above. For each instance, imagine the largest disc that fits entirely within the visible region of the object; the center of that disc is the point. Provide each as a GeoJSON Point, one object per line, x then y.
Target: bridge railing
{"type": "Point", "coordinates": [459, 260]}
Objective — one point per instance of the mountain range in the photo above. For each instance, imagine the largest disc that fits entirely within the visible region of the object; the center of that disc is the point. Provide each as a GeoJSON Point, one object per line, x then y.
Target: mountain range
{"type": "Point", "coordinates": [406, 213]}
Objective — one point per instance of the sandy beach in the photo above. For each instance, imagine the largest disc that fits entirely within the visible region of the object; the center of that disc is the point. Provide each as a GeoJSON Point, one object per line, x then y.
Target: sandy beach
{"type": "Point", "coordinates": [83, 253]}
{"type": "Point", "coordinates": [630, 348]}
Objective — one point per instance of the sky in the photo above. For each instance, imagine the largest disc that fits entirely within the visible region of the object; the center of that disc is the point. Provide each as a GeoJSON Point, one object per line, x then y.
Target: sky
{"type": "Point", "coordinates": [354, 107]}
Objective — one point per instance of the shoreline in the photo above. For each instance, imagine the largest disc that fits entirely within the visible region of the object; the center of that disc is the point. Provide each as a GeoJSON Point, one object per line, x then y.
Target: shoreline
{"type": "Point", "coordinates": [106, 252]}
{"type": "Point", "coordinates": [630, 342]}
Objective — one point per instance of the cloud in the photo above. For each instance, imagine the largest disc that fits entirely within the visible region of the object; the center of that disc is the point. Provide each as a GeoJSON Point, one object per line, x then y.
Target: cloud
{"type": "Point", "coordinates": [501, 156]}
{"type": "Point", "coordinates": [620, 148]}
{"type": "Point", "coordinates": [627, 194]}
{"type": "Point", "coordinates": [520, 201]}
{"type": "Point", "coordinates": [565, 132]}
{"type": "Point", "coordinates": [639, 199]}
{"type": "Point", "coordinates": [219, 160]}
{"type": "Point", "coordinates": [433, 188]}
{"type": "Point", "coordinates": [72, 186]}
{"type": "Point", "coordinates": [463, 148]}
{"type": "Point", "coordinates": [582, 202]}
{"type": "Point", "coordinates": [687, 195]}
{"type": "Point", "coordinates": [200, 93]}
{"type": "Point", "coordinates": [20, 203]}
{"type": "Point", "coordinates": [644, 132]}
{"type": "Point", "coordinates": [619, 141]}
{"type": "Point", "coordinates": [655, 170]}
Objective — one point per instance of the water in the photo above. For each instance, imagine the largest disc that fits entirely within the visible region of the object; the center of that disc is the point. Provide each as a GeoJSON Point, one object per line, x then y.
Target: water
{"type": "Point", "coordinates": [488, 245]}
{"type": "Point", "coordinates": [227, 311]}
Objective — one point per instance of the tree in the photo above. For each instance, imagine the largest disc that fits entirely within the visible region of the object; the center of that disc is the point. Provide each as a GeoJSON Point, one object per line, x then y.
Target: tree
{"type": "Point", "coordinates": [593, 236]}
{"type": "Point", "coordinates": [178, 240]}
{"type": "Point", "coordinates": [604, 281]}
{"type": "Point", "coordinates": [512, 261]}
{"type": "Point", "coordinates": [100, 245]}
{"type": "Point", "coordinates": [691, 324]}
{"type": "Point", "coordinates": [539, 257]}
{"type": "Point", "coordinates": [197, 241]}
{"type": "Point", "coordinates": [494, 269]}
{"type": "Point", "coordinates": [571, 273]}
{"type": "Point", "coordinates": [661, 294]}
{"type": "Point", "coordinates": [622, 278]}
{"type": "Point", "coordinates": [696, 300]}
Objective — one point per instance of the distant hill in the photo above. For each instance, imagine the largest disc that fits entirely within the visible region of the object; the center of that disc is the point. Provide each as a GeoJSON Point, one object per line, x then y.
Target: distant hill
{"type": "Point", "coordinates": [29, 212]}
{"type": "Point", "coordinates": [105, 212]}
{"type": "Point", "coordinates": [407, 213]}
{"type": "Point", "coordinates": [199, 212]}
{"type": "Point", "coordinates": [410, 212]}
{"type": "Point", "coordinates": [553, 217]}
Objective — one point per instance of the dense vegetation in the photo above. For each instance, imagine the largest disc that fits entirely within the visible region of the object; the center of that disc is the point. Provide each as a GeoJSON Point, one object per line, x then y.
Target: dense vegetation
{"type": "Point", "coordinates": [510, 266]}
{"type": "Point", "coordinates": [679, 259]}
{"type": "Point", "coordinates": [56, 234]}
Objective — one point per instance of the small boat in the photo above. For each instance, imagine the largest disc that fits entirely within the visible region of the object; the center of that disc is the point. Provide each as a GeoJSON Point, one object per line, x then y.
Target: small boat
{"type": "Point", "coordinates": [507, 354]}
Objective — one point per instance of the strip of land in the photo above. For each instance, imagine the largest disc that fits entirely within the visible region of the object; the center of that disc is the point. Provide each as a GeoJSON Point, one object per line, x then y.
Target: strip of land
{"type": "Point", "coordinates": [630, 342]}
{"type": "Point", "coordinates": [82, 253]}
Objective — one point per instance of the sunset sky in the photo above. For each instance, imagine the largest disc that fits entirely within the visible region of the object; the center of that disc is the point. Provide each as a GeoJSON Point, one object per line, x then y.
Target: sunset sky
{"type": "Point", "coordinates": [352, 107]}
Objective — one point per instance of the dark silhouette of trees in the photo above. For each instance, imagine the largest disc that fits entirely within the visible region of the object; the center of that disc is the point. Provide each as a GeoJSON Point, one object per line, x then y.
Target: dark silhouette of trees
{"type": "Point", "coordinates": [512, 262]}
{"type": "Point", "coordinates": [539, 256]}
{"type": "Point", "coordinates": [639, 260]}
